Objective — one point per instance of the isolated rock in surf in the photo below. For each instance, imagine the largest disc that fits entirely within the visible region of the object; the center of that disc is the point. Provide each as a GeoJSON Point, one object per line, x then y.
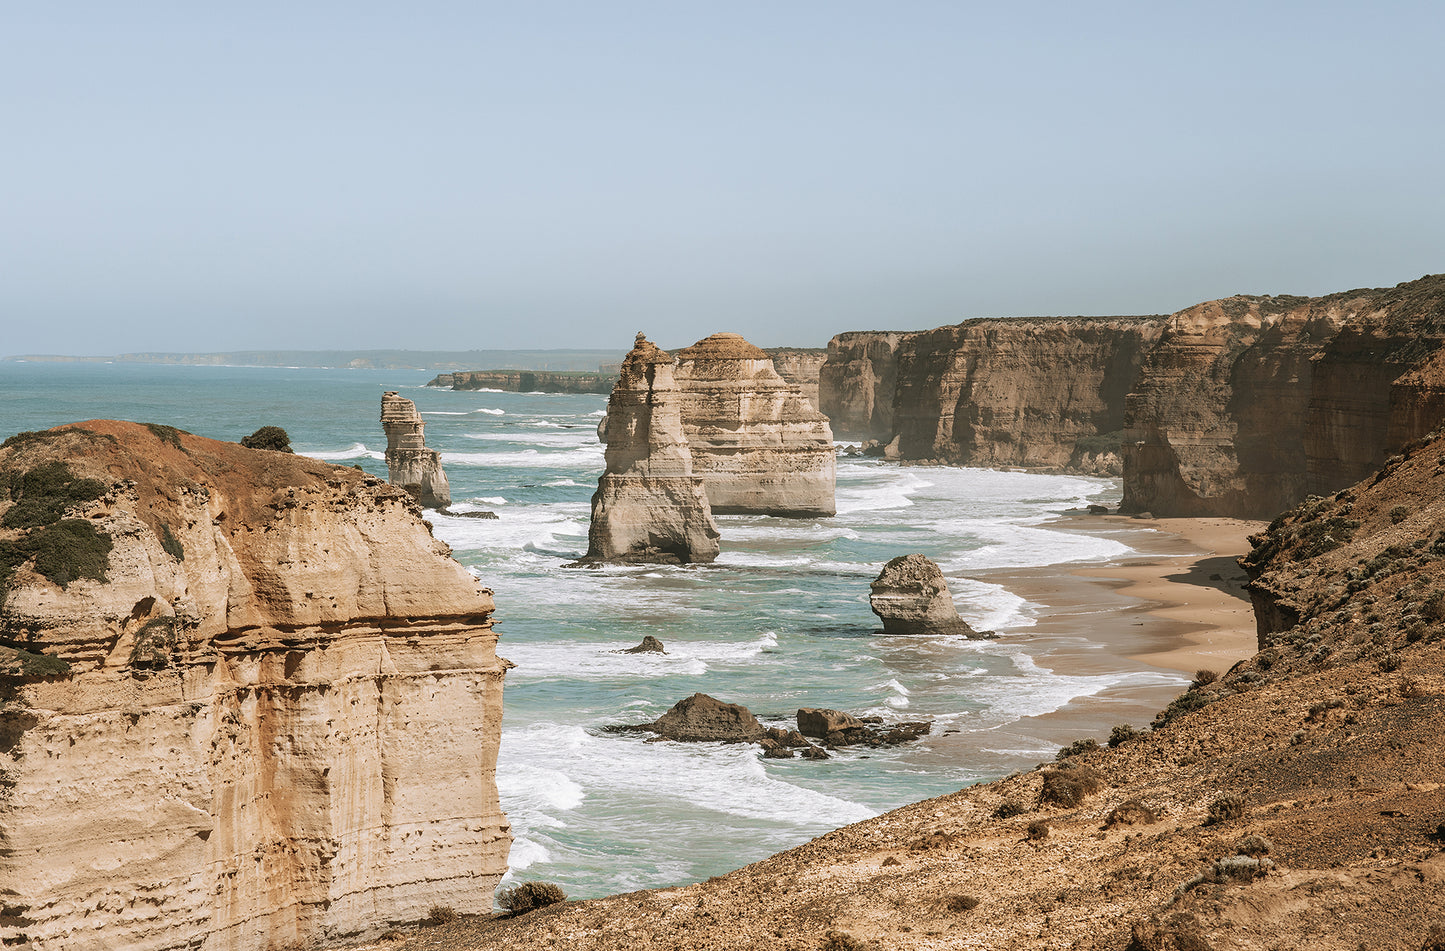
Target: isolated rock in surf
{"type": "Point", "coordinates": [649, 505]}
{"type": "Point", "coordinates": [911, 596]}
{"type": "Point", "coordinates": [409, 462]}
{"type": "Point", "coordinates": [759, 445]}
{"type": "Point", "coordinates": [701, 718]}
{"type": "Point", "coordinates": [265, 712]}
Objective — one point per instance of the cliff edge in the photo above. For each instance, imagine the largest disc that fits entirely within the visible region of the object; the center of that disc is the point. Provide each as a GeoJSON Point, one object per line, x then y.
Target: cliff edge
{"type": "Point", "coordinates": [249, 701]}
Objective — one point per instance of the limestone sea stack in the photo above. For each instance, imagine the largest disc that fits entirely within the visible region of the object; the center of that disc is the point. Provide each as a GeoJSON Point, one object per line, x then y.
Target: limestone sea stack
{"type": "Point", "coordinates": [649, 505]}
{"type": "Point", "coordinates": [911, 596]}
{"type": "Point", "coordinates": [251, 703]}
{"type": "Point", "coordinates": [409, 462]}
{"type": "Point", "coordinates": [759, 445]}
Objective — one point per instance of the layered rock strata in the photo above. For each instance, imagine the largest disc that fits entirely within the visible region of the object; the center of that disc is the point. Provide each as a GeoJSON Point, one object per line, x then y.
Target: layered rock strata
{"type": "Point", "coordinates": [250, 701]}
{"type": "Point", "coordinates": [760, 447]}
{"type": "Point", "coordinates": [649, 505]}
{"type": "Point", "coordinates": [910, 596]}
{"type": "Point", "coordinates": [1032, 392]}
{"type": "Point", "coordinates": [1248, 404]}
{"type": "Point", "coordinates": [410, 463]}
{"type": "Point", "coordinates": [800, 366]}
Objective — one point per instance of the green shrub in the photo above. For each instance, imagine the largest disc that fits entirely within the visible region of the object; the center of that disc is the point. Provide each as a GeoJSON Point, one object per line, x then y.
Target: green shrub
{"type": "Point", "coordinates": [273, 438]}
{"type": "Point", "coordinates": [1121, 734]}
{"type": "Point", "coordinates": [1070, 787]}
{"type": "Point", "coordinates": [22, 663]}
{"type": "Point", "coordinates": [69, 550]}
{"type": "Point", "coordinates": [167, 434]}
{"type": "Point", "coordinates": [1077, 747]}
{"type": "Point", "coordinates": [42, 495]}
{"type": "Point", "coordinates": [1182, 704]}
{"type": "Point", "coordinates": [171, 544]}
{"type": "Point", "coordinates": [154, 644]}
{"type": "Point", "coordinates": [529, 895]}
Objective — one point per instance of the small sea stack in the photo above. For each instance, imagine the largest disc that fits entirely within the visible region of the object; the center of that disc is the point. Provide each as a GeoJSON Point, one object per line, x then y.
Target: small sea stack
{"type": "Point", "coordinates": [649, 507]}
{"type": "Point", "coordinates": [410, 464]}
{"type": "Point", "coordinates": [911, 596]}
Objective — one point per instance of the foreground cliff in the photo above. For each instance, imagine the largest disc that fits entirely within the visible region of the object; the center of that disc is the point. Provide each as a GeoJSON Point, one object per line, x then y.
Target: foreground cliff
{"type": "Point", "coordinates": [249, 701]}
{"type": "Point", "coordinates": [1293, 801]}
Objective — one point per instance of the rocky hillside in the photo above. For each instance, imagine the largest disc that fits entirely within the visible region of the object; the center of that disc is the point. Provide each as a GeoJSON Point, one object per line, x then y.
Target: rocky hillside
{"type": "Point", "coordinates": [248, 700]}
{"type": "Point", "coordinates": [1294, 801]}
{"type": "Point", "coordinates": [1236, 407]}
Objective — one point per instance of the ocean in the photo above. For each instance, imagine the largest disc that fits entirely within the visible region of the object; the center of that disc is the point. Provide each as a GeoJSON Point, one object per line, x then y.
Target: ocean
{"type": "Point", "coordinates": [781, 621]}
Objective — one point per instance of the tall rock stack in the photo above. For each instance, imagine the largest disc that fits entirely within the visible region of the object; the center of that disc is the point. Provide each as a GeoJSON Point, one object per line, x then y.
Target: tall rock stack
{"type": "Point", "coordinates": [649, 505]}
{"type": "Point", "coordinates": [410, 463]}
{"type": "Point", "coordinates": [250, 702]}
{"type": "Point", "coordinates": [759, 444]}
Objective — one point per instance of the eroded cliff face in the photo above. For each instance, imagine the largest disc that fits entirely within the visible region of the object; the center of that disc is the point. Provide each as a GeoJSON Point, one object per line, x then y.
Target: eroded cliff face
{"type": "Point", "coordinates": [410, 464]}
{"type": "Point", "coordinates": [856, 384]}
{"type": "Point", "coordinates": [269, 712]}
{"type": "Point", "coordinates": [650, 506]}
{"type": "Point", "coordinates": [1036, 392]}
{"type": "Point", "coordinates": [755, 439]}
{"type": "Point", "coordinates": [800, 366]}
{"type": "Point", "coordinates": [1248, 404]}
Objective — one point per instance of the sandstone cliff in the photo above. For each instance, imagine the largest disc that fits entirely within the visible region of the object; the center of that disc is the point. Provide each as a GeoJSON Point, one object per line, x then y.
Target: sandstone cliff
{"type": "Point", "coordinates": [249, 700]}
{"type": "Point", "coordinates": [800, 366]}
{"type": "Point", "coordinates": [758, 444]}
{"type": "Point", "coordinates": [856, 384]}
{"type": "Point", "coordinates": [1249, 403]}
{"type": "Point", "coordinates": [410, 464]}
{"type": "Point", "coordinates": [649, 505]}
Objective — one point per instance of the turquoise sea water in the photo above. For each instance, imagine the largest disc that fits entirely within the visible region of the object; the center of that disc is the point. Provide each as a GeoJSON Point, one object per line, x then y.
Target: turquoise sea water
{"type": "Point", "coordinates": [781, 621]}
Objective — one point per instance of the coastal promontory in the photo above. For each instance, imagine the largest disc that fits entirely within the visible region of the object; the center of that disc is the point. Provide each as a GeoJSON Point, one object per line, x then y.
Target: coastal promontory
{"type": "Point", "coordinates": [249, 700]}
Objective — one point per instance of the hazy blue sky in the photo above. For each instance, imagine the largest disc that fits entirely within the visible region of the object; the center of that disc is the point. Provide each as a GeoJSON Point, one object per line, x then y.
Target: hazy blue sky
{"type": "Point", "coordinates": [188, 176]}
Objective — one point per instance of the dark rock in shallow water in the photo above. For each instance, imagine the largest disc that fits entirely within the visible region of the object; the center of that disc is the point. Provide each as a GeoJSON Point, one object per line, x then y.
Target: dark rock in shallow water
{"type": "Point", "coordinates": [649, 645]}
{"type": "Point", "coordinates": [701, 717]}
{"type": "Point", "coordinates": [819, 723]}
{"type": "Point", "coordinates": [468, 514]}
{"type": "Point", "coordinates": [836, 728]}
{"type": "Point", "coordinates": [1098, 510]}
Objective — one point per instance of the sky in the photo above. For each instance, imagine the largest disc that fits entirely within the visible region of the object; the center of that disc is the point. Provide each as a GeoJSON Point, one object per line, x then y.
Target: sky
{"type": "Point", "coordinates": [201, 177]}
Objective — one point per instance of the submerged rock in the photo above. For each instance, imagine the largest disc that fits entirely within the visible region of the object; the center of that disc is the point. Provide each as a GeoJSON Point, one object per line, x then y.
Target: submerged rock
{"type": "Point", "coordinates": [911, 596]}
{"type": "Point", "coordinates": [649, 505]}
{"type": "Point", "coordinates": [410, 464]}
{"type": "Point", "coordinates": [649, 645]}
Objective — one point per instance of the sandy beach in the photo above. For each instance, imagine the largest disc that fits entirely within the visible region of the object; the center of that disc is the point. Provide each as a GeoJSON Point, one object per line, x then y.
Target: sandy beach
{"type": "Point", "coordinates": [1175, 606]}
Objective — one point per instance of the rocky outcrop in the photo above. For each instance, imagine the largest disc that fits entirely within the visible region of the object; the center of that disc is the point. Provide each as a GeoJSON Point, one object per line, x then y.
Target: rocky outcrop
{"type": "Point", "coordinates": [910, 596]}
{"type": "Point", "coordinates": [649, 505]}
{"type": "Point", "coordinates": [800, 366]}
{"type": "Point", "coordinates": [527, 381]}
{"type": "Point", "coordinates": [1248, 404]}
{"type": "Point", "coordinates": [701, 718]}
{"type": "Point", "coordinates": [758, 444]}
{"type": "Point", "coordinates": [250, 702]}
{"type": "Point", "coordinates": [409, 462]}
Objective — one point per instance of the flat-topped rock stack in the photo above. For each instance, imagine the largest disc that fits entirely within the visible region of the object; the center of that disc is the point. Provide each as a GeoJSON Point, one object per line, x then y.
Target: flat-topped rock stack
{"type": "Point", "coordinates": [251, 703]}
{"type": "Point", "coordinates": [410, 464]}
{"type": "Point", "coordinates": [759, 444]}
{"type": "Point", "coordinates": [650, 506]}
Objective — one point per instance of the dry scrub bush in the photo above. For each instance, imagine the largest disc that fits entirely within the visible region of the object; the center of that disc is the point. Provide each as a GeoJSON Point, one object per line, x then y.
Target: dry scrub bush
{"type": "Point", "coordinates": [1254, 846]}
{"type": "Point", "coordinates": [441, 915]}
{"type": "Point", "coordinates": [842, 941]}
{"type": "Point", "coordinates": [1225, 809]}
{"type": "Point", "coordinates": [957, 903]}
{"type": "Point", "coordinates": [1178, 932]}
{"type": "Point", "coordinates": [1204, 677]}
{"type": "Point", "coordinates": [1010, 808]}
{"type": "Point", "coordinates": [1235, 868]}
{"type": "Point", "coordinates": [529, 895]}
{"type": "Point", "coordinates": [1039, 829]}
{"type": "Point", "coordinates": [1130, 812]}
{"type": "Point", "coordinates": [1070, 787]}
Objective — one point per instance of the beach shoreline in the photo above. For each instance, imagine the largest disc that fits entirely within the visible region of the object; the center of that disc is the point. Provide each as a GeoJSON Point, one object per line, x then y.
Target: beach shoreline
{"type": "Point", "coordinates": [1173, 605]}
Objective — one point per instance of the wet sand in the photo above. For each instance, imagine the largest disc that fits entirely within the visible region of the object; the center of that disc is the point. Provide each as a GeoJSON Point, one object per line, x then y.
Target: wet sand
{"type": "Point", "coordinates": [1175, 606]}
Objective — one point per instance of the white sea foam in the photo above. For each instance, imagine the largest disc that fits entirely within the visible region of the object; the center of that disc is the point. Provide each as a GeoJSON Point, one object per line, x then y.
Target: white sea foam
{"type": "Point", "coordinates": [589, 457]}
{"type": "Point", "coordinates": [357, 451]}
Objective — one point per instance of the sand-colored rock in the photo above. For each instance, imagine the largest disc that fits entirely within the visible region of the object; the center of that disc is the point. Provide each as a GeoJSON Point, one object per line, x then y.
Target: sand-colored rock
{"type": "Point", "coordinates": [856, 384]}
{"type": "Point", "coordinates": [800, 366]}
{"type": "Point", "coordinates": [280, 717]}
{"type": "Point", "coordinates": [910, 595]}
{"type": "Point", "coordinates": [409, 462]}
{"type": "Point", "coordinates": [759, 445]}
{"type": "Point", "coordinates": [649, 505]}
